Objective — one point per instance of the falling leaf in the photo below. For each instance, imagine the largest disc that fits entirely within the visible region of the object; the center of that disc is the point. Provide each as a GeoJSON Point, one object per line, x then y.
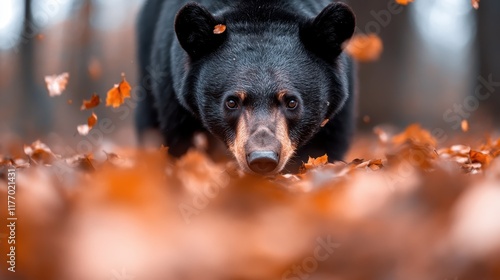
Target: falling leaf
{"type": "Point", "coordinates": [367, 119]}
{"type": "Point", "coordinates": [84, 129]}
{"type": "Point", "coordinates": [70, 101]}
{"type": "Point", "coordinates": [117, 95]}
{"type": "Point", "coordinates": [475, 4]}
{"type": "Point", "coordinates": [325, 122]}
{"type": "Point", "coordinates": [92, 103]}
{"type": "Point", "coordinates": [465, 126]}
{"type": "Point", "coordinates": [56, 84]}
{"type": "Point", "coordinates": [365, 48]}
{"type": "Point", "coordinates": [219, 29]}
{"type": "Point", "coordinates": [404, 2]}
{"type": "Point", "coordinates": [95, 68]}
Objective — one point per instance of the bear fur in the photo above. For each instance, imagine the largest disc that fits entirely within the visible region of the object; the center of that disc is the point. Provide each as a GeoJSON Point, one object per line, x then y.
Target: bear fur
{"type": "Point", "coordinates": [278, 62]}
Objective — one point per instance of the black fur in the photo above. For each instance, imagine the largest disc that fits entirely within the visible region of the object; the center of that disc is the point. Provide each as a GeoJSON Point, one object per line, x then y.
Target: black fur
{"type": "Point", "coordinates": [268, 45]}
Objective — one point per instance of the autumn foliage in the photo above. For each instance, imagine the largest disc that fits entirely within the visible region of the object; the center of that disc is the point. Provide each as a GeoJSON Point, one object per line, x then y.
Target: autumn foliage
{"type": "Point", "coordinates": [403, 214]}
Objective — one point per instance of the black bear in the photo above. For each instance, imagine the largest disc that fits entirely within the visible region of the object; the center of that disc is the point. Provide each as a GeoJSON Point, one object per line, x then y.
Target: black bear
{"type": "Point", "coordinates": [267, 77]}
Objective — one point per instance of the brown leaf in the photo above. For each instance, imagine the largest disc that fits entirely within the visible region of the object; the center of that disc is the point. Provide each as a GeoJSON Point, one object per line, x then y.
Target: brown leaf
{"type": "Point", "coordinates": [416, 135]}
{"type": "Point", "coordinates": [219, 29]}
{"type": "Point", "coordinates": [314, 162]}
{"type": "Point", "coordinates": [84, 129]}
{"type": "Point", "coordinates": [117, 95]}
{"type": "Point", "coordinates": [92, 103]}
{"type": "Point", "coordinates": [365, 48]}
{"type": "Point", "coordinates": [480, 157]}
{"type": "Point", "coordinates": [39, 153]}
{"type": "Point", "coordinates": [56, 84]}
{"type": "Point", "coordinates": [82, 162]}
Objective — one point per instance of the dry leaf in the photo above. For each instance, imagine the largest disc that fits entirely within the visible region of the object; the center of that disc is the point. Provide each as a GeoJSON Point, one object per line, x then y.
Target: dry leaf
{"type": "Point", "coordinates": [219, 29]}
{"type": "Point", "coordinates": [56, 84]}
{"type": "Point", "coordinates": [84, 129]}
{"type": "Point", "coordinates": [314, 162]}
{"type": "Point", "coordinates": [92, 103]}
{"type": "Point", "coordinates": [475, 4]}
{"type": "Point", "coordinates": [404, 2]}
{"type": "Point", "coordinates": [39, 153]}
{"type": "Point", "coordinates": [416, 135]}
{"type": "Point", "coordinates": [117, 95]}
{"type": "Point", "coordinates": [82, 162]}
{"type": "Point", "coordinates": [465, 126]}
{"type": "Point", "coordinates": [325, 122]}
{"type": "Point", "coordinates": [95, 68]}
{"type": "Point", "coordinates": [480, 157]}
{"type": "Point", "coordinates": [365, 48]}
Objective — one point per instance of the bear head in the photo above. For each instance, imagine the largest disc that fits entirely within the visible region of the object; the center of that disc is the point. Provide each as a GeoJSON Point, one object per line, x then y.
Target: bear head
{"type": "Point", "coordinates": [268, 82]}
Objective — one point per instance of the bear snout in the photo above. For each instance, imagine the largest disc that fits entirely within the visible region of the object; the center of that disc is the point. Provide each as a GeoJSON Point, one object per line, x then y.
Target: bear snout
{"type": "Point", "coordinates": [263, 151]}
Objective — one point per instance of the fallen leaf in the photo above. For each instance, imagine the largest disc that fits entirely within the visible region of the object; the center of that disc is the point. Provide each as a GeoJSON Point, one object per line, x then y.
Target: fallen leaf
{"type": "Point", "coordinates": [56, 84]}
{"type": "Point", "coordinates": [365, 48]}
{"type": "Point", "coordinates": [92, 103]}
{"type": "Point", "coordinates": [219, 29]}
{"type": "Point", "coordinates": [479, 157]}
{"type": "Point", "coordinates": [314, 162]}
{"type": "Point", "coordinates": [82, 162]}
{"type": "Point", "coordinates": [40, 153]}
{"type": "Point", "coordinates": [117, 95]}
{"type": "Point", "coordinates": [416, 135]}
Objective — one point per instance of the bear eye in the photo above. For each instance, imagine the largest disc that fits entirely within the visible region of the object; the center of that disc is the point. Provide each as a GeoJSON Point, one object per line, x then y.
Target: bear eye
{"type": "Point", "coordinates": [292, 104]}
{"type": "Point", "coordinates": [232, 103]}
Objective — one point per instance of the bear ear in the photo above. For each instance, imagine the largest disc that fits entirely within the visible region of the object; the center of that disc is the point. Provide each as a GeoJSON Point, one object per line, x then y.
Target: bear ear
{"type": "Point", "coordinates": [194, 26]}
{"type": "Point", "coordinates": [326, 33]}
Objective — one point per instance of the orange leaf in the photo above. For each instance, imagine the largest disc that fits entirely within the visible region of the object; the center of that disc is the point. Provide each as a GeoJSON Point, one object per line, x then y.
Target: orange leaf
{"type": "Point", "coordinates": [479, 157]}
{"type": "Point", "coordinates": [117, 95]}
{"type": "Point", "coordinates": [465, 126]}
{"type": "Point", "coordinates": [475, 4]}
{"type": "Point", "coordinates": [219, 29]}
{"type": "Point", "coordinates": [365, 48]}
{"type": "Point", "coordinates": [84, 129]}
{"type": "Point", "coordinates": [92, 103]}
{"type": "Point", "coordinates": [314, 162]}
{"type": "Point", "coordinates": [416, 135]}
{"type": "Point", "coordinates": [40, 153]}
{"type": "Point", "coordinates": [56, 84]}
{"type": "Point", "coordinates": [404, 2]}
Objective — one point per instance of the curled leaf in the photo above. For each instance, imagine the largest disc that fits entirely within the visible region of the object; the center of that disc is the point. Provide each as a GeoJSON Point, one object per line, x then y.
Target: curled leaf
{"type": "Point", "coordinates": [117, 95]}
{"type": "Point", "coordinates": [84, 129]}
{"type": "Point", "coordinates": [93, 102]}
{"type": "Point", "coordinates": [56, 84]}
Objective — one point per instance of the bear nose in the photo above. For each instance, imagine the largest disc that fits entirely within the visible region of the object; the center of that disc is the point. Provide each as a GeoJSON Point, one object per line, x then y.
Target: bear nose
{"type": "Point", "coordinates": [263, 161]}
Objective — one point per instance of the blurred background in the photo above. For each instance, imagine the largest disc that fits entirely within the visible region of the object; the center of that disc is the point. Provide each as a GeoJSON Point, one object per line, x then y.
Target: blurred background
{"type": "Point", "coordinates": [436, 54]}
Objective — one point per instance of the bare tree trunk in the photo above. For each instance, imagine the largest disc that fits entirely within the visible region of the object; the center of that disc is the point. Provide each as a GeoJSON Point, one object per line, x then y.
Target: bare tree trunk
{"type": "Point", "coordinates": [33, 117]}
{"type": "Point", "coordinates": [489, 54]}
